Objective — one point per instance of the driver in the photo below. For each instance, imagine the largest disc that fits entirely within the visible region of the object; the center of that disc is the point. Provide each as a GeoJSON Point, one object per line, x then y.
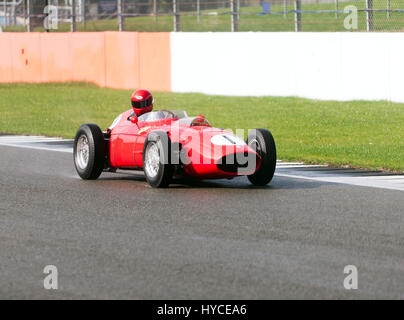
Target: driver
{"type": "Point", "coordinates": [142, 102]}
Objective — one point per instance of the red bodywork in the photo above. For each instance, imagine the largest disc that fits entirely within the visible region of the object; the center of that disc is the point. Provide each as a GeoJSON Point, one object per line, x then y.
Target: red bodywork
{"type": "Point", "coordinates": [126, 140]}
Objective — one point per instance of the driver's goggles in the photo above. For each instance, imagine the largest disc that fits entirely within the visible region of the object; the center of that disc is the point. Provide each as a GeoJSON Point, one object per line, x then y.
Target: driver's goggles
{"type": "Point", "coordinates": [142, 104]}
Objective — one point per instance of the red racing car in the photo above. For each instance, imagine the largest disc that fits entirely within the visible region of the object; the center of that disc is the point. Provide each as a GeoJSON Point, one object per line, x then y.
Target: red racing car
{"type": "Point", "coordinates": [165, 144]}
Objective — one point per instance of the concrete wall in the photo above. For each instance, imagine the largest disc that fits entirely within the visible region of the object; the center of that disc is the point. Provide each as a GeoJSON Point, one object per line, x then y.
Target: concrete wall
{"type": "Point", "coordinates": [341, 66]}
{"type": "Point", "coordinates": [110, 59]}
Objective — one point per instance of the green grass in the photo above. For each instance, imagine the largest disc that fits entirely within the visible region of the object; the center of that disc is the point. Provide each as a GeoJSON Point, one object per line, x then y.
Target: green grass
{"type": "Point", "coordinates": [253, 22]}
{"type": "Point", "coordinates": [358, 133]}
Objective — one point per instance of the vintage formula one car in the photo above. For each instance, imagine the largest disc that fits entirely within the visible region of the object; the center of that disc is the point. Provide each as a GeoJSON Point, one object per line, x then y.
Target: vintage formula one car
{"type": "Point", "coordinates": [165, 144]}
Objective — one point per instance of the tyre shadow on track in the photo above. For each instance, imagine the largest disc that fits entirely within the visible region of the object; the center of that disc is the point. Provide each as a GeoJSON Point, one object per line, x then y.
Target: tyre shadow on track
{"type": "Point", "coordinates": [278, 183]}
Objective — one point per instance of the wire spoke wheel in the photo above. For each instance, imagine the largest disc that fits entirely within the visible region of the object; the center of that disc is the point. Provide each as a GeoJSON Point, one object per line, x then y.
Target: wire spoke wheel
{"type": "Point", "coordinates": [152, 160]}
{"type": "Point", "coordinates": [156, 159]}
{"type": "Point", "coordinates": [253, 143]}
{"type": "Point", "coordinates": [89, 151]}
{"type": "Point", "coordinates": [82, 152]}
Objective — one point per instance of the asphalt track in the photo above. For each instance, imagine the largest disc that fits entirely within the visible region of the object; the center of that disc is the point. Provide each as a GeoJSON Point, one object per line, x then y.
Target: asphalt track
{"type": "Point", "coordinates": [118, 238]}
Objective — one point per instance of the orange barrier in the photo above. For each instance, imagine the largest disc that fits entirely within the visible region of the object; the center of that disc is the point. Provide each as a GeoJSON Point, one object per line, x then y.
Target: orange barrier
{"type": "Point", "coordinates": [25, 58]}
{"type": "Point", "coordinates": [155, 61]}
{"type": "Point", "coordinates": [124, 60]}
{"type": "Point", "coordinates": [121, 57]}
{"type": "Point", "coordinates": [56, 57]}
{"type": "Point", "coordinates": [5, 58]}
{"type": "Point", "coordinates": [88, 57]}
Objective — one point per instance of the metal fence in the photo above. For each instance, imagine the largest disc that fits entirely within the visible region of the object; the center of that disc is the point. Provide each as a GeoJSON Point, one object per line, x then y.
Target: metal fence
{"type": "Point", "coordinates": [197, 15]}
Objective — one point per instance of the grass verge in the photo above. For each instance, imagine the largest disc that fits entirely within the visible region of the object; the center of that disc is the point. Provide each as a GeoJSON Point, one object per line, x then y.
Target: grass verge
{"type": "Point", "coordinates": [357, 133]}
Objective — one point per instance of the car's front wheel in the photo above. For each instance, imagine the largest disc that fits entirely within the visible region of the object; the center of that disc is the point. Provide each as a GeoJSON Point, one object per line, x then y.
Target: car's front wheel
{"type": "Point", "coordinates": [89, 151]}
{"type": "Point", "coordinates": [262, 141]}
{"type": "Point", "coordinates": [156, 159]}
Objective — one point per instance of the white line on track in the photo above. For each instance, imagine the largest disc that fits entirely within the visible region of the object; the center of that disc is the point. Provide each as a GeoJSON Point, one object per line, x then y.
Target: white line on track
{"type": "Point", "coordinates": [36, 143]}
{"type": "Point", "coordinates": [66, 150]}
{"type": "Point", "coordinates": [285, 165]}
{"type": "Point", "coordinates": [284, 169]}
{"type": "Point", "coordinates": [381, 182]}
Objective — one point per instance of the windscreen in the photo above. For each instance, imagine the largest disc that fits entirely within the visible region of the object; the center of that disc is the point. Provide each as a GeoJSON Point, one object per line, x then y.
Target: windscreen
{"type": "Point", "coordinates": [163, 114]}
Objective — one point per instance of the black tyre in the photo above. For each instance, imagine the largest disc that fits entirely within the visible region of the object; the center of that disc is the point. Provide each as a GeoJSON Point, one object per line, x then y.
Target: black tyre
{"type": "Point", "coordinates": [89, 151]}
{"type": "Point", "coordinates": [263, 143]}
{"type": "Point", "coordinates": [157, 159]}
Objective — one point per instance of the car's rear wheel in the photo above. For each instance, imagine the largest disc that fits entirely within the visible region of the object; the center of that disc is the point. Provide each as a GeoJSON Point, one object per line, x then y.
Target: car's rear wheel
{"type": "Point", "coordinates": [262, 141]}
{"type": "Point", "coordinates": [156, 159]}
{"type": "Point", "coordinates": [89, 151]}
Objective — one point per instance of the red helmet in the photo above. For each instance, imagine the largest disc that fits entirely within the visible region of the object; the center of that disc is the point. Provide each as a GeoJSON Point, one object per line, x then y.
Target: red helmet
{"type": "Point", "coordinates": [142, 101]}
